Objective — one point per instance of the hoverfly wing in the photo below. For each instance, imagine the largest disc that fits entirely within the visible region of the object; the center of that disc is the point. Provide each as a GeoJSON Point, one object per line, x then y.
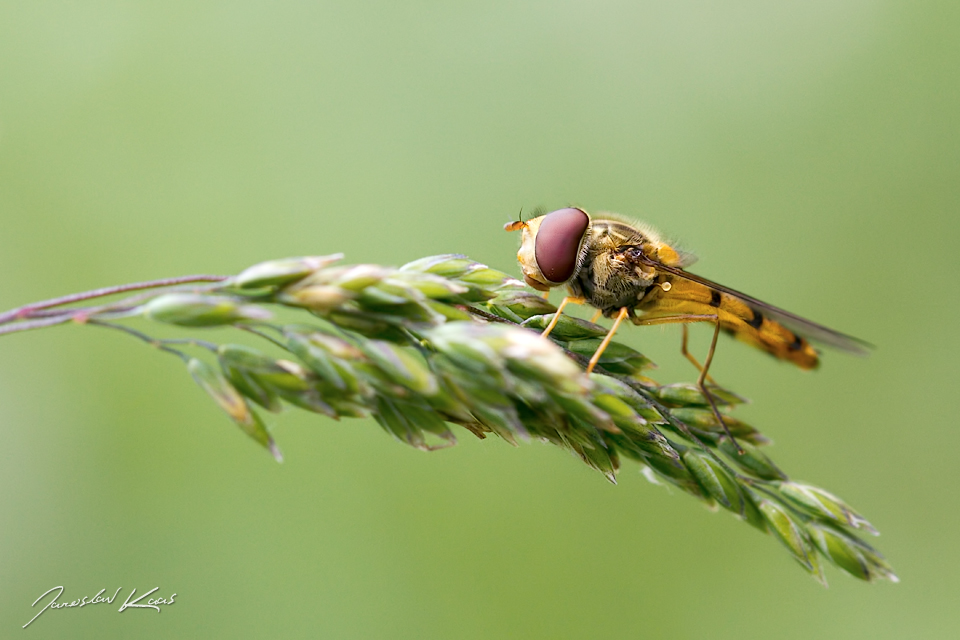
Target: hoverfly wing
{"type": "Point", "coordinates": [806, 328]}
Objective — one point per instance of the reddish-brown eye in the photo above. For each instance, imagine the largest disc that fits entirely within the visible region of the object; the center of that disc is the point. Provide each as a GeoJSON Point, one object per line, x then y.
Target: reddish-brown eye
{"type": "Point", "coordinates": [558, 243]}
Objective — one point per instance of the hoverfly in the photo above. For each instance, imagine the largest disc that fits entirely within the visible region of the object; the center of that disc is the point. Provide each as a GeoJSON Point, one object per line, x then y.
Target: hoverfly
{"type": "Point", "coordinates": [621, 268]}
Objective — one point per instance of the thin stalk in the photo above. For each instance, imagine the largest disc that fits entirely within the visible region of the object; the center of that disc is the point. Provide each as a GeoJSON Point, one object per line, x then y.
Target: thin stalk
{"type": "Point", "coordinates": [264, 335]}
{"type": "Point", "coordinates": [117, 309]}
{"type": "Point", "coordinates": [153, 342]}
{"type": "Point", "coordinates": [36, 324]}
{"type": "Point", "coordinates": [26, 310]}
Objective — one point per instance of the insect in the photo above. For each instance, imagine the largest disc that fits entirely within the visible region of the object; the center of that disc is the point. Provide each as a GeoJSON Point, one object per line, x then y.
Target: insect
{"type": "Point", "coordinates": [626, 270]}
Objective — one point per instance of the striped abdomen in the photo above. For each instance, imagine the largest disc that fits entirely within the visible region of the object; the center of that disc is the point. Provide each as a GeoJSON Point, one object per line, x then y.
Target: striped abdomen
{"type": "Point", "coordinates": [737, 318]}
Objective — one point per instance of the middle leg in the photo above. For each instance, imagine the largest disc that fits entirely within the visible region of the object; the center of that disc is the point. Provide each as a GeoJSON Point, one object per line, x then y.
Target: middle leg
{"type": "Point", "coordinates": [624, 312]}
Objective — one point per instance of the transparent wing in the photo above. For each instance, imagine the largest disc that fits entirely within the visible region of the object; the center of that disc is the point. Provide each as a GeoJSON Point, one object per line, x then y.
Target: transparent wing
{"type": "Point", "coordinates": [801, 326]}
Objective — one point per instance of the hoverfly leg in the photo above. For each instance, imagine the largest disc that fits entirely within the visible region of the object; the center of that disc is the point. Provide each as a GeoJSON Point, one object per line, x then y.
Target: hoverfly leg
{"type": "Point", "coordinates": [556, 316]}
{"type": "Point", "coordinates": [689, 356]}
{"type": "Point", "coordinates": [701, 381]}
{"type": "Point", "coordinates": [596, 316]}
{"type": "Point", "coordinates": [703, 387]}
{"type": "Point", "coordinates": [624, 312]}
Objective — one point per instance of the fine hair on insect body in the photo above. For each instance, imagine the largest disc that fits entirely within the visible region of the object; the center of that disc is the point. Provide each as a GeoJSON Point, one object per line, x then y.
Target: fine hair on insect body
{"type": "Point", "coordinates": [627, 271]}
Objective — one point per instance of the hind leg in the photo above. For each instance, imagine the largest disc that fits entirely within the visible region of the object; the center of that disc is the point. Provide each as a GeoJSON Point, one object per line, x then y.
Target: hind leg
{"type": "Point", "coordinates": [704, 376]}
{"type": "Point", "coordinates": [689, 356]}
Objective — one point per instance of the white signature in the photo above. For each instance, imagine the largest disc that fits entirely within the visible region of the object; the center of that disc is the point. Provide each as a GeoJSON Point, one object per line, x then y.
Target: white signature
{"type": "Point", "coordinates": [152, 603]}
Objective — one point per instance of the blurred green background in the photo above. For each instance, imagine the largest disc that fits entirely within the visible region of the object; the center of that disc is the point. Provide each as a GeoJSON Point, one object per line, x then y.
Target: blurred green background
{"type": "Point", "coordinates": [809, 152]}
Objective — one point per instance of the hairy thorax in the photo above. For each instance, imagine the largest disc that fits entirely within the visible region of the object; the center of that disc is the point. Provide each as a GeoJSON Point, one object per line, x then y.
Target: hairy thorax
{"type": "Point", "coordinates": [608, 280]}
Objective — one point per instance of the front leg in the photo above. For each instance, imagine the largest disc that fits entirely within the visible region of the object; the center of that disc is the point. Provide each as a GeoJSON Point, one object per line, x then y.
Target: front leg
{"type": "Point", "coordinates": [556, 316]}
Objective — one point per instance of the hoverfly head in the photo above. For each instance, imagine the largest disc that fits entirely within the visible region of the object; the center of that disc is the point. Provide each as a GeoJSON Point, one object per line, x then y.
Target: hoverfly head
{"type": "Point", "coordinates": [552, 247]}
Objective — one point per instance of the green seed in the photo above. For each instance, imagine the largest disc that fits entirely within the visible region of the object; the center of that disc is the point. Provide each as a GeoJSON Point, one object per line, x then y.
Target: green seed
{"type": "Point", "coordinates": [282, 272]}
{"type": "Point", "coordinates": [195, 310]}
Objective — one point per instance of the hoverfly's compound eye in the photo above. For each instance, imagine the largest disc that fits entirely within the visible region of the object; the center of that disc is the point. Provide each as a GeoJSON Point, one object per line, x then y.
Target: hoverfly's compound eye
{"type": "Point", "coordinates": [558, 243]}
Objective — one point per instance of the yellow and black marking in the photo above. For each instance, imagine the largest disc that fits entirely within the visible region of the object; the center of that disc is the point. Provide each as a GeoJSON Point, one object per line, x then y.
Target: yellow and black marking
{"type": "Point", "coordinates": [736, 318]}
{"type": "Point", "coordinates": [621, 264]}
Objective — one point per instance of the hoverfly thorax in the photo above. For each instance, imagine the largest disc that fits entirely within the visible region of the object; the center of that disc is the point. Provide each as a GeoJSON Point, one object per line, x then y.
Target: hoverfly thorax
{"type": "Point", "coordinates": [552, 247]}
